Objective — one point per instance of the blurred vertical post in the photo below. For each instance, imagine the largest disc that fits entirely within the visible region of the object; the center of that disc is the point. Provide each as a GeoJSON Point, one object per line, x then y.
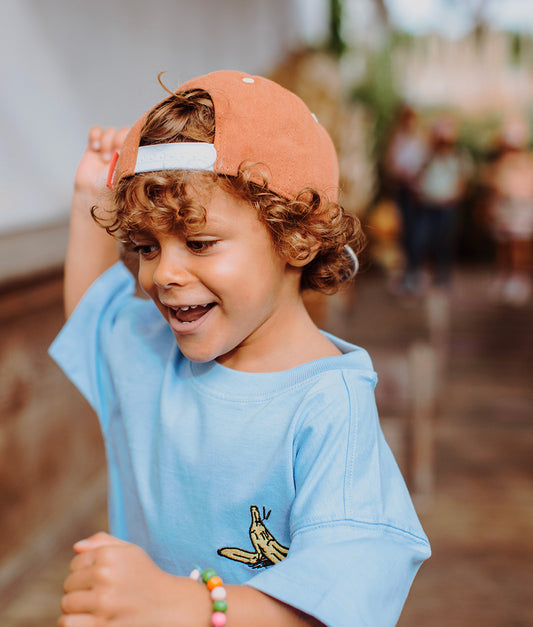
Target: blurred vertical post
{"type": "Point", "coordinates": [423, 366]}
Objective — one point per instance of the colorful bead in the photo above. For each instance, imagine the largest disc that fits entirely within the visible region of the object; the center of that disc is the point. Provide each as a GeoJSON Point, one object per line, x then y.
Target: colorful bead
{"type": "Point", "coordinates": [207, 574]}
{"type": "Point", "coordinates": [195, 574]}
{"type": "Point", "coordinates": [220, 606]}
{"type": "Point", "coordinates": [213, 582]}
{"type": "Point", "coordinates": [218, 593]}
{"type": "Point", "coordinates": [218, 619]}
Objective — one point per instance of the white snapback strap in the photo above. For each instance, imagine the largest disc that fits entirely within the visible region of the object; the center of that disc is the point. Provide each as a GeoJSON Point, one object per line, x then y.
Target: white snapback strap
{"type": "Point", "coordinates": [355, 262]}
{"type": "Point", "coordinates": [179, 156]}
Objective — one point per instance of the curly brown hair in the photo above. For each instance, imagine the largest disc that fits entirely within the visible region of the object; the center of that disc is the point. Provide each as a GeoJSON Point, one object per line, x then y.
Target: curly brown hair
{"type": "Point", "coordinates": [308, 227]}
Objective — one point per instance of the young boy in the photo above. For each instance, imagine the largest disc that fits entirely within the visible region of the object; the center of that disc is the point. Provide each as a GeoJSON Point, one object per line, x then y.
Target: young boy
{"type": "Point", "coordinates": [238, 435]}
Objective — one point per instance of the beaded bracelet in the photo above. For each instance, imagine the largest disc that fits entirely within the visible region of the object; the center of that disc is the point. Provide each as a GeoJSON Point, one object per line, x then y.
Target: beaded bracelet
{"type": "Point", "coordinates": [217, 592]}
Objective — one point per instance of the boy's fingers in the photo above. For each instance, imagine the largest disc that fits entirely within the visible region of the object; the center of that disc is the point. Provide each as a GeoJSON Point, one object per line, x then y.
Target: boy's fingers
{"type": "Point", "coordinates": [78, 620]}
{"type": "Point", "coordinates": [95, 134]}
{"type": "Point", "coordinates": [107, 142]}
{"type": "Point", "coordinates": [96, 541]}
{"type": "Point", "coordinates": [79, 580]}
{"type": "Point", "coordinates": [81, 561]}
{"type": "Point", "coordinates": [78, 602]}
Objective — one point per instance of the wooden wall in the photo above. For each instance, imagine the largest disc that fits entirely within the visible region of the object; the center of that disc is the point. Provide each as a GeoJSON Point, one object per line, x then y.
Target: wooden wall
{"type": "Point", "coordinates": [51, 450]}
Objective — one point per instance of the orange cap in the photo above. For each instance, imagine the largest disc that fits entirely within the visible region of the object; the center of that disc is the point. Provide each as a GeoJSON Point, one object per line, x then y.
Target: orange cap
{"type": "Point", "coordinates": [256, 121]}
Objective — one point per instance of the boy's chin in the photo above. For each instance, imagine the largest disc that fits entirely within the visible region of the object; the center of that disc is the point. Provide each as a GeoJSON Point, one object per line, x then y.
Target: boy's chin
{"type": "Point", "coordinates": [198, 357]}
{"type": "Point", "coordinates": [198, 354]}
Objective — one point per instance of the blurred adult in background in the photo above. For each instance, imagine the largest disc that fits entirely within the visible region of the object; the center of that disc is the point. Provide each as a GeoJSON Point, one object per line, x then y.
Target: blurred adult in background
{"type": "Point", "coordinates": [510, 214]}
{"type": "Point", "coordinates": [405, 154]}
{"type": "Point", "coordinates": [440, 186]}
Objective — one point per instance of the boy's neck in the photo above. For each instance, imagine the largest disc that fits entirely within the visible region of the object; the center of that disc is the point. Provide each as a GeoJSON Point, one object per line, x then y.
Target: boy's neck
{"type": "Point", "coordinates": [299, 341]}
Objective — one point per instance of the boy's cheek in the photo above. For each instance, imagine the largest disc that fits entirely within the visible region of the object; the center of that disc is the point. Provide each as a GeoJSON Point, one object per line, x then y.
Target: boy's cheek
{"type": "Point", "coordinates": [145, 281]}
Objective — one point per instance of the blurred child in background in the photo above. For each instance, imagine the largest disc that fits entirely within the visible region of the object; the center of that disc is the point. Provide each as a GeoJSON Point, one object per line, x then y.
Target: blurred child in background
{"type": "Point", "coordinates": [510, 214]}
{"type": "Point", "coordinates": [440, 187]}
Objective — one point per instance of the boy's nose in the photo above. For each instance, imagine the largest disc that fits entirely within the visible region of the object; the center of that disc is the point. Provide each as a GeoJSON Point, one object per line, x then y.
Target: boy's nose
{"type": "Point", "coordinates": [171, 270]}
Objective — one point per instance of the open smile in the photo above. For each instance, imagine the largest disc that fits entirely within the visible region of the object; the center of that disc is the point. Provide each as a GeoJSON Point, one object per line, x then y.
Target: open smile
{"type": "Point", "coordinates": [188, 318]}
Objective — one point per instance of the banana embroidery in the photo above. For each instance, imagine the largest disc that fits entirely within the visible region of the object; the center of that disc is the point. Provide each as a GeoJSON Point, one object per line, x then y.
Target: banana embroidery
{"type": "Point", "coordinates": [268, 550]}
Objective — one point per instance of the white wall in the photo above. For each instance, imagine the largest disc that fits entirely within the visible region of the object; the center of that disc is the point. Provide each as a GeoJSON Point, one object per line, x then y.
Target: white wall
{"type": "Point", "coordinates": [68, 64]}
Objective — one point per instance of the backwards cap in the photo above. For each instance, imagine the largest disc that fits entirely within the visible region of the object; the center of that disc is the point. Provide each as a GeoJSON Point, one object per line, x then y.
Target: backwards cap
{"type": "Point", "coordinates": [256, 121]}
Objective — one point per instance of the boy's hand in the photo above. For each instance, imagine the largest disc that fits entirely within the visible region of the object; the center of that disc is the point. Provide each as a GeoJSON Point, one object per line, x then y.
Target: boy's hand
{"type": "Point", "coordinates": [92, 171]}
{"type": "Point", "coordinates": [115, 583]}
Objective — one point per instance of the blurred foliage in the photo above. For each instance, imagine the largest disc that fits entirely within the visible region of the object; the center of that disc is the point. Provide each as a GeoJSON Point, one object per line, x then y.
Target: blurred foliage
{"type": "Point", "coordinates": [378, 91]}
{"type": "Point", "coordinates": [516, 48]}
{"type": "Point", "coordinates": [479, 135]}
{"type": "Point", "coordinates": [336, 44]}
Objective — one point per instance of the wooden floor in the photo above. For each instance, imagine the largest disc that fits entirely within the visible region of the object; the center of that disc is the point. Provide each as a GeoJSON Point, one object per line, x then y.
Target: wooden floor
{"type": "Point", "coordinates": [479, 515]}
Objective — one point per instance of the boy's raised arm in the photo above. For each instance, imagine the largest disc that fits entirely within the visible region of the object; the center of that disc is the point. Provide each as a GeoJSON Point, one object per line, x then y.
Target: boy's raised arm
{"type": "Point", "coordinates": [90, 249]}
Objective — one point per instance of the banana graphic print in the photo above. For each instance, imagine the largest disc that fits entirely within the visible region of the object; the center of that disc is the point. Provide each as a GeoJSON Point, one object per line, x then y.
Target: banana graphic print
{"type": "Point", "coordinates": [268, 550]}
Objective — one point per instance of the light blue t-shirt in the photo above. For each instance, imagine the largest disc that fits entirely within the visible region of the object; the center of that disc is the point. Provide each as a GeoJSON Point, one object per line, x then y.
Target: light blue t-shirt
{"type": "Point", "coordinates": [282, 481]}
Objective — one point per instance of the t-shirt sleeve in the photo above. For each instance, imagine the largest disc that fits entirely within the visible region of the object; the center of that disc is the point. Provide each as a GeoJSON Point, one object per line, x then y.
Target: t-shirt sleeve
{"type": "Point", "coordinates": [356, 542]}
{"type": "Point", "coordinates": [80, 347]}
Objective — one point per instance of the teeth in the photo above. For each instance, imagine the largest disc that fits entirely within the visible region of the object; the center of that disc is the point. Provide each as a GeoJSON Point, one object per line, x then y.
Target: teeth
{"type": "Point", "coordinates": [191, 307]}
{"type": "Point", "coordinates": [187, 307]}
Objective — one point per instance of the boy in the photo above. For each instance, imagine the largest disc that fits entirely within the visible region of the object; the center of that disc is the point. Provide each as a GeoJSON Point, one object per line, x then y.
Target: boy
{"type": "Point", "coordinates": [238, 435]}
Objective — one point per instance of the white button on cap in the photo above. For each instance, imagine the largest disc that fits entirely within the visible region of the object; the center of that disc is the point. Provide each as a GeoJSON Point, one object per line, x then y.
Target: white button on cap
{"type": "Point", "coordinates": [248, 79]}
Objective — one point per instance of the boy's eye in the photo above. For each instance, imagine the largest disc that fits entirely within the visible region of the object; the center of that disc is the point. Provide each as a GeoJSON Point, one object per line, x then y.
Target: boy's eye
{"type": "Point", "coordinates": [200, 245]}
{"type": "Point", "coordinates": [145, 250]}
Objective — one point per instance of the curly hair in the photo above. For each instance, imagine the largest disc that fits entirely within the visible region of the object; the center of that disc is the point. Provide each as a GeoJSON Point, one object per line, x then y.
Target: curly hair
{"type": "Point", "coordinates": [308, 227]}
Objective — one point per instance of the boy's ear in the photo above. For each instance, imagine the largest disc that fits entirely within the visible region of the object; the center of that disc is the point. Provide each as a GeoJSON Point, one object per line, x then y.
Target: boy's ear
{"type": "Point", "coordinates": [303, 256]}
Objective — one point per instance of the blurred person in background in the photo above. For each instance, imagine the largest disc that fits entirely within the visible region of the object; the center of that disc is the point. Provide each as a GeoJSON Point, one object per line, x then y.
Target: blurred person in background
{"type": "Point", "coordinates": [510, 214]}
{"type": "Point", "coordinates": [440, 186]}
{"type": "Point", "coordinates": [404, 157]}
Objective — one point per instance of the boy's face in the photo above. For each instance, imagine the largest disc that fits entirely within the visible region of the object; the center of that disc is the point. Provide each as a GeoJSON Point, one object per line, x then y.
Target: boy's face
{"type": "Point", "coordinates": [224, 291]}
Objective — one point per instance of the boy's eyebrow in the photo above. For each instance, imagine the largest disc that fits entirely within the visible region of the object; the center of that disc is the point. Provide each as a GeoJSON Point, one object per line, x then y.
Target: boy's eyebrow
{"type": "Point", "coordinates": [212, 222]}
{"type": "Point", "coordinates": [139, 233]}
{"type": "Point", "coordinates": [145, 234]}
